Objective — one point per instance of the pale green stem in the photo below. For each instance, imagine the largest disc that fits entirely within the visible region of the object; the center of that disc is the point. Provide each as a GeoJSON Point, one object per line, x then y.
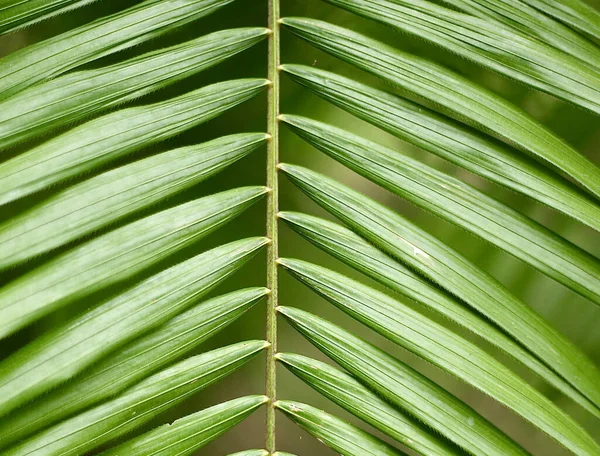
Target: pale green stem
{"type": "Point", "coordinates": [272, 210]}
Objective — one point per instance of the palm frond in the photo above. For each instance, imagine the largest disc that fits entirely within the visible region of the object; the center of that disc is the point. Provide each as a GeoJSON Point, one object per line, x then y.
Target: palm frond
{"type": "Point", "coordinates": [123, 253]}
{"type": "Point", "coordinates": [15, 14]}
{"type": "Point", "coordinates": [54, 56]}
{"type": "Point", "coordinates": [450, 92]}
{"type": "Point", "coordinates": [458, 357]}
{"type": "Point", "coordinates": [75, 96]}
{"type": "Point", "coordinates": [106, 297]}
{"type": "Point", "coordinates": [491, 44]}
{"type": "Point", "coordinates": [575, 13]}
{"type": "Point", "coordinates": [188, 434]}
{"type": "Point", "coordinates": [450, 140]}
{"type": "Point", "coordinates": [339, 435]}
{"type": "Point", "coordinates": [104, 139]}
{"type": "Point", "coordinates": [131, 364]}
{"type": "Point", "coordinates": [358, 253]}
{"type": "Point", "coordinates": [403, 387]}
{"type": "Point", "coordinates": [107, 198]}
{"type": "Point", "coordinates": [137, 405]}
{"type": "Point", "coordinates": [347, 392]}
{"type": "Point", "coordinates": [529, 20]}
{"type": "Point", "coordinates": [460, 203]}
{"type": "Point", "coordinates": [66, 351]}
{"type": "Point", "coordinates": [436, 261]}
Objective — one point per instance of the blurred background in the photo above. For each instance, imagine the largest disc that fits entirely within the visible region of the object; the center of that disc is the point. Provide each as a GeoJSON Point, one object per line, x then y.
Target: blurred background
{"type": "Point", "coordinates": [577, 318]}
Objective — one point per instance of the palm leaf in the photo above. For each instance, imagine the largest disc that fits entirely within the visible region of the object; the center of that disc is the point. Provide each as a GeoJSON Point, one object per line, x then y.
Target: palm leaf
{"type": "Point", "coordinates": [354, 397]}
{"type": "Point", "coordinates": [109, 197]}
{"type": "Point", "coordinates": [460, 203]}
{"type": "Point", "coordinates": [106, 294]}
{"type": "Point", "coordinates": [138, 404]}
{"type": "Point", "coordinates": [105, 36]}
{"type": "Point", "coordinates": [490, 44]}
{"type": "Point", "coordinates": [75, 96]}
{"type": "Point", "coordinates": [132, 363]}
{"type": "Point", "coordinates": [66, 351]}
{"type": "Point", "coordinates": [403, 387]}
{"type": "Point", "coordinates": [425, 254]}
{"type": "Point", "coordinates": [187, 435]}
{"type": "Point", "coordinates": [576, 13]}
{"type": "Point", "coordinates": [458, 357]}
{"type": "Point", "coordinates": [108, 259]}
{"type": "Point", "coordinates": [457, 143]}
{"type": "Point", "coordinates": [455, 95]}
{"type": "Point", "coordinates": [15, 14]}
{"type": "Point", "coordinates": [358, 253]}
{"type": "Point", "coordinates": [335, 433]}
{"type": "Point", "coordinates": [82, 149]}
{"type": "Point", "coordinates": [529, 20]}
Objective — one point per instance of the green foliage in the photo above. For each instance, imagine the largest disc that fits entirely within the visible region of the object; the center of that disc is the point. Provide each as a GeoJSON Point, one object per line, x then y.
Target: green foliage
{"type": "Point", "coordinates": [75, 96]}
{"type": "Point", "coordinates": [457, 96]}
{"type": "Point", "coordinates": [347, 392]}
{"type": "Point", "coordinates": [123, 156]}
{"type": "Point", "coordinates": [339, 435]}
{"type": "Point", "coordinates": [186, 435]}
{"type": "Point", "coordinates": [451, 140]}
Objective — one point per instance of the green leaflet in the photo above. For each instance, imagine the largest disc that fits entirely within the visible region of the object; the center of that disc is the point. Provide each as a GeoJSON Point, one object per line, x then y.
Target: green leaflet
{"type": "Point", "coordinates": [107, 35]}
{"type": "Point", "coordinates": [428, 256]}
{"type": "Point", "coordinates": [15, 14]}
{"type": "Point", "coordinates": [72, 97]}
{"type": "Point", "coordinates": [130, 364]}
{"type": "Point", "coordinates": [490, 44]}
{"type": "Point", "coordinates": [451, 140]}
{"type": "Point", "coordinates": [281, 453]}
{"type": "Point", "coordinates": [403, 387]}
{"type": "Point", "coordinates": [62, 353]}
{"type": "Point", "coordinates": [443, 348]}
{"type": "Point", "coordinates": [138, 404]}
{"type": "Point", "coordinates": [97, 202]}
{"type": "Point", "coordinates": [186, 435]}
{"type": "Point", "coordinates": [106, 138]}
{"type": "Point", "coordinates": [452, 93]}
{"type": "Point", "coordinates": [531, 21]}
{"type": "Point", "coordinates": [451, 199]}
{"type": "Point", "coordinates": [337, 434]}
{"type": "Point", "coordinates": [356, 252]}
{"type": "Point", "coordinates": [576, 13]}
{"type": "Point", "coordinates": [345, 391]}
{"type": "Point", "coordinates": [116, 256]}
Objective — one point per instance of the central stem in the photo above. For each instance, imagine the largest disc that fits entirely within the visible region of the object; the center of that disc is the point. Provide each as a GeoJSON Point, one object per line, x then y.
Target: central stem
{"type": "Point", "coordinates": [272, 210]}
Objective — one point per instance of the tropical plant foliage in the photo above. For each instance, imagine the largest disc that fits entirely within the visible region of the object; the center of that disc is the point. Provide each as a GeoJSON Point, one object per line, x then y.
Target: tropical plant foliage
{"type": "Point", "coordinates": [103, 226]}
